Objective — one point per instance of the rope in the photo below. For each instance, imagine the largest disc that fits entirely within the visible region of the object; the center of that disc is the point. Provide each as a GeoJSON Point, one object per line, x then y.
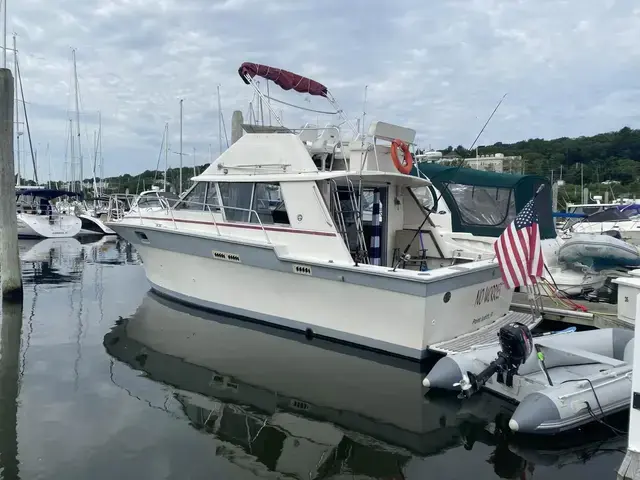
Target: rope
{"type": "Point", "coordinates": [563, 301]}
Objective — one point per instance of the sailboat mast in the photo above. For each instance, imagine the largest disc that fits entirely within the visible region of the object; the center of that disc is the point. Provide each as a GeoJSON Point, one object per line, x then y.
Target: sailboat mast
{"type": "Point", "coordinates": [101, 190]}
{"type": "Point", "coordinates": [4, 34]}
{"type": "Point", "coordinates": [26, 122]}
{"type": "Point", "coordinates": [49, 164]}
{"type": "Point", "coordinates": [17, 104]}
{"type": "Point", "coordinates": [72, 164]}
{"type": "Point", "coordinates": [166, 153]}
{"type": "Point", "coordinates": [180, 190]}
{"type": "Point", "coordinates": [95, 163]}
{"type": "Point", "coordinates": [194, 162]}
{"type": "Point", "coordinates": [75, 76]}
{"type": "Point", "coordinates": [219, 121]}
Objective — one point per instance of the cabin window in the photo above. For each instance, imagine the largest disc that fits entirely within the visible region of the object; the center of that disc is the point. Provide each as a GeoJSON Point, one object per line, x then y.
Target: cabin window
{"type": "Point", "coordinates": [194, 199]}
{"type": "Point", "coordinates": [486, 206]}
{"type": "Point", "coordinates": [268, 204]}
{"type": "Point", "coordinates": [213, 202]}
{"type": "Point", "coordinates": [236, 200]}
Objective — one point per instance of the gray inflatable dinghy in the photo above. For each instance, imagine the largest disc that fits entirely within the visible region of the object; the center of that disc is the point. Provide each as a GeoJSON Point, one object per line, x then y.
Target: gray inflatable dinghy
{"type": "Point", "coordinates": [560, 381]}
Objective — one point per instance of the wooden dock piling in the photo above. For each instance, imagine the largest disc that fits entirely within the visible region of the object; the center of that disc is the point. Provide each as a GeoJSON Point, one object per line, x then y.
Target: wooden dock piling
{"type": "Point", "coordinates": [10, 334]}
{"type": "Point", "coordinates": [11, 277]}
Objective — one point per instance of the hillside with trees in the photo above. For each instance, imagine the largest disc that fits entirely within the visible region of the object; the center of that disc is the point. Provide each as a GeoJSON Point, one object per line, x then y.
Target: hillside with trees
{"type": "Point", "coordinates": [607, 157]}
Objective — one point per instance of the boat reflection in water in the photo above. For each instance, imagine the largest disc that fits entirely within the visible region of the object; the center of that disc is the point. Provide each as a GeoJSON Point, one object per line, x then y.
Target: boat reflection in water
{"type": "Point", "coordinates": [62, 260]}
{"type": "Point", "coordinates": [312, 409]}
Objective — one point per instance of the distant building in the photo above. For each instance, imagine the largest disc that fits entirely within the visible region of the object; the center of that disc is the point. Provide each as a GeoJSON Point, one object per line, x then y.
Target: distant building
{"type": "Point", "coordinates": [497, 162]}
{"type": "Point", "coordinates": [491, 163]}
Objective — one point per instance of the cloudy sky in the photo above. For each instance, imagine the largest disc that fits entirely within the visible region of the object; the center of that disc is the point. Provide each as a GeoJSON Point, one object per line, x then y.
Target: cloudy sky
{"type": "Point", "coordinates": [570, 68]}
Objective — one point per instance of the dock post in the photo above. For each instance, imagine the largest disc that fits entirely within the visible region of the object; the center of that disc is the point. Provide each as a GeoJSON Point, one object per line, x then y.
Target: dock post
{"type": "Point", "coordinates": [630, 467]}
{"type": "Point", "coordinates": [10, 335]}
{"type": "Point", "coordinates": [9, 255]}
{"type": "Point", "coordinates": [236, 126]}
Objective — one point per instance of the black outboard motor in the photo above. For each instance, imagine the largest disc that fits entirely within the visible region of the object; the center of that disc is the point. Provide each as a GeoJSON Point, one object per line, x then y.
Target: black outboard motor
{"type": "Point", "coordinates": [516, 344]}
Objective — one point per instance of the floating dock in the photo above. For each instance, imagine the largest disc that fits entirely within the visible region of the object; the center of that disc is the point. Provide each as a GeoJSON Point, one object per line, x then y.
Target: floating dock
{"type": "Point", "coordinates": [591, 314]}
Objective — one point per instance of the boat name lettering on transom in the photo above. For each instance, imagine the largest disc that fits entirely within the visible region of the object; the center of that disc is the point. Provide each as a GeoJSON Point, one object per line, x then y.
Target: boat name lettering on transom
{"type": "Point", "coordinates": [488, 294]}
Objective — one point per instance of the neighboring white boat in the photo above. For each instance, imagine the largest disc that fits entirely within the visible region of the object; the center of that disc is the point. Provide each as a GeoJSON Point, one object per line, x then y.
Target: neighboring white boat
{"type": "Point", "coordinates": [38, 216]}
{"type": "Point", "coordinates": [149, 200]}
{"type": "Point", "coordinates": [600, 218]}
{"type": "Point", "coordinates": [304, 262]}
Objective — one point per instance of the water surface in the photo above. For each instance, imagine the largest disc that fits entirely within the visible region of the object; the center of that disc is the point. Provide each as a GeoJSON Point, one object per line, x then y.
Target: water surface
{"type": "Point", "coordinates": [106, 380]}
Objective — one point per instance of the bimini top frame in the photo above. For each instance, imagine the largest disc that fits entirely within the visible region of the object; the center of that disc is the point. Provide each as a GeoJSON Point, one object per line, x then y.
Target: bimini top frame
{"type": "Point", "coordinates": [289, 81]}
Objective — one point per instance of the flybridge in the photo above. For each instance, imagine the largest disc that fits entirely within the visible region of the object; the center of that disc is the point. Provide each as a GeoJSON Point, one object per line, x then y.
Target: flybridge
{"type": "Point", "coordinates": [329, 149]}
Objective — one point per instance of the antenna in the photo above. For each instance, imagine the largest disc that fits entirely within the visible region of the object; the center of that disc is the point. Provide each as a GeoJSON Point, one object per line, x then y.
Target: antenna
{"type": "Point", "coordinates": [180, 189]}
{"type": "Point", "coordinates": [364, 107]}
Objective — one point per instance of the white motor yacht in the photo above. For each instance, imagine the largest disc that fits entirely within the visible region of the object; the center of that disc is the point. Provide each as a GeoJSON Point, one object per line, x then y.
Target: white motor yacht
{"type": "Point", "coordinates": [270, 231]}
{"type": "Point", "coordinates": [621, 219]}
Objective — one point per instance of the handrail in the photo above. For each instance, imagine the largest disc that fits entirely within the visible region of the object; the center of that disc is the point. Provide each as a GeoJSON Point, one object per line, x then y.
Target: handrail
{"type": "Point", "coordinates": [170, 210]}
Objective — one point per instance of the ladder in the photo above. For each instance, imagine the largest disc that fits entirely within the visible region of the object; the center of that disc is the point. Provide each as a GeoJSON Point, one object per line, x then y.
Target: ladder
{"type": "Point", "coordinates": [353, 212]}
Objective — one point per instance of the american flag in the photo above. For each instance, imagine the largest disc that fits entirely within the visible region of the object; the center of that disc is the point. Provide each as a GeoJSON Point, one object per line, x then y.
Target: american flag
{"type": "Point", "coordinates": [519, 250]}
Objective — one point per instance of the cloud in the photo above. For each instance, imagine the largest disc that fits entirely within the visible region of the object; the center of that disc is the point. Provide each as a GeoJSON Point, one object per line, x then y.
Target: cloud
{"type": "Point", "coordinates": [439, 68]}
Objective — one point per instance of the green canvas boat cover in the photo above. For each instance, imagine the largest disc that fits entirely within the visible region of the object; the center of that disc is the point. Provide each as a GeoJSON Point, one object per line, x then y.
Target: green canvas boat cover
{"type": "Point", "coordinates": [484, 203]}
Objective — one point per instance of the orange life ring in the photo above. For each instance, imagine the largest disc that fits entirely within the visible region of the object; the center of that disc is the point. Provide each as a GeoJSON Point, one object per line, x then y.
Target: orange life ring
{"type": "Point", "coordinates": [408, 160]}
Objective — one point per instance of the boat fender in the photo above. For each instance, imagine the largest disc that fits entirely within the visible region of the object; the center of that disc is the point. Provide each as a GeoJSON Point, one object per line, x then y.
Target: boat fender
{"type": "Point", "coordinates": [406, 166]}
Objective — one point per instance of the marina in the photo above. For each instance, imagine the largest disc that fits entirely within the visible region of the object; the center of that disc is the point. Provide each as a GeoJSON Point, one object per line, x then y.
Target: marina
{"type": "Point", "coordinates": [327, 291]}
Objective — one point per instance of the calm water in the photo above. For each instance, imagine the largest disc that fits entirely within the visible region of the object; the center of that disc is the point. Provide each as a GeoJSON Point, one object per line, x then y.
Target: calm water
{"type": "Point", "coordinates": [106, 380]}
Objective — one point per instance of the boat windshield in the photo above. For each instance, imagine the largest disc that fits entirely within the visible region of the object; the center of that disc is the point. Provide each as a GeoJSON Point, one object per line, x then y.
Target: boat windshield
{"type": "Point", "coordinates": [490, 206]}
{"type": "Point", "coordinates": [613, 214]}
{"type": "Point", "coordinates": [153, 199]}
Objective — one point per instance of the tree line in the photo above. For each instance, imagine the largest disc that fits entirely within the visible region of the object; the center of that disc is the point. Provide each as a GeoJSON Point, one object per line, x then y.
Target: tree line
{"type": "Point", "coordinates": [611, 156]}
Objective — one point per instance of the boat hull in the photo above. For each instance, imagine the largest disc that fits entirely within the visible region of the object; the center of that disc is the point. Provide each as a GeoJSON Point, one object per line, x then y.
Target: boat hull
{"type": "Point", "coordinates": [42, 226]}
{"type": "Point", "coordinates": [385, 313]}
